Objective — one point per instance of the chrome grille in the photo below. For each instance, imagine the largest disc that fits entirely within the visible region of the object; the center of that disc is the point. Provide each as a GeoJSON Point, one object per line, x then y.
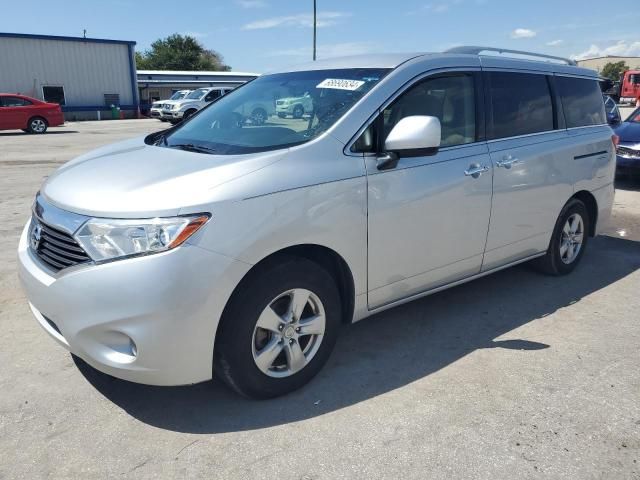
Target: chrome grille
{"type": "Point", "coordinates": [628, 152]}
{"type": "Point", "coordinates": [55, 248]}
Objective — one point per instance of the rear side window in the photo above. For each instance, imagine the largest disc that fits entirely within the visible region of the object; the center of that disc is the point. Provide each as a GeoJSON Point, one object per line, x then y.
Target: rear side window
{"type": "Point", "coordinates": [212, 95]}
{"type": "Point", "coordinates": [581, 101]}
{"type": "Point", "coordinates": [521, 104]}
{"type": "Point", "coordinates": [14, 102]}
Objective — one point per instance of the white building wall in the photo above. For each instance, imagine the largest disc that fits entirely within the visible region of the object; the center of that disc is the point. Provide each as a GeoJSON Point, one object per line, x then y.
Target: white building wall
{"type": "Point", "coordinates": [86, 70]}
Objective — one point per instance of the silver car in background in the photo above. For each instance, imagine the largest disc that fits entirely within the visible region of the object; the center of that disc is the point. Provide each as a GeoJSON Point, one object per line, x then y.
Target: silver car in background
{"type": "Point", "coordinates": [157, 106]}
{"type": "Point", "coordinates": [240, 247]}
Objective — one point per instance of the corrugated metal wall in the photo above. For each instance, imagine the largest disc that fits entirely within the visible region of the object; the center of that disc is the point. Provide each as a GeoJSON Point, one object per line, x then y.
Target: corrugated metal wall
{"type": "Point", "coordinates": [86, 70]}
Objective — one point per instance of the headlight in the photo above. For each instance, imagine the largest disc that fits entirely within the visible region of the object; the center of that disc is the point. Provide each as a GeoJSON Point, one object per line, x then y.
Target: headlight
{"type": "Point", "coordinates": [175, 107]}
{"type": "Point", "coordinates": [107, 239]}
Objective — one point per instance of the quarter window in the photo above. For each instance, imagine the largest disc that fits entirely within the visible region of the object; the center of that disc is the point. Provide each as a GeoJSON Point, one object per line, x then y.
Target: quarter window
{"type": "Point", "coordinates": [581, 101]}
{"type": "Point", "coordinates": [521, 104]}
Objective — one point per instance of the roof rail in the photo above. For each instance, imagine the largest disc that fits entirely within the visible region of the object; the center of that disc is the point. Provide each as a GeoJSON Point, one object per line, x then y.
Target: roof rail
{"type": "Point", "coordinates": [474, 50]}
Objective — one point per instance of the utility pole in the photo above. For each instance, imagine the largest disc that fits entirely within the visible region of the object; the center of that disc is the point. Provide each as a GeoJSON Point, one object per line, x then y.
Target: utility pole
{"type": "Point", "coordinates": [314, 30]}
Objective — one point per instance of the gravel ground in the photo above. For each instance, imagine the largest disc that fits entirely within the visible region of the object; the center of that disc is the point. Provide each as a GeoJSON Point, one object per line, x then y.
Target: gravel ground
{"type": "Point", "coordinates": [515, 375]}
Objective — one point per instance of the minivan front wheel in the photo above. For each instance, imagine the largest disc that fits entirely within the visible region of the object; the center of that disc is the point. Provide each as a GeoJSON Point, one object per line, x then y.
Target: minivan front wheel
{"type": "Point", "coordinates": [568, 241]}
{"type": "Point", "coordinates": [278, 329]}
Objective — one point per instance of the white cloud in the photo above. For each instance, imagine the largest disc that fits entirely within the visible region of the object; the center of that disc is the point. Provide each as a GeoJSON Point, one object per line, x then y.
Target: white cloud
{"type": "Point", "coordinates": [251, 3]}
{"type": "Point", "coordinates": [555, 43]}
{"type": "Point", "coordinates": [196, 34]}
{"type": "Point", "coordinates": [437, 7]}
{"type": "Point", "coordinates": [621, 48]}
{"type": "Point", "coordinates": [523, 33]}
{"type": "Point", "coordinates": [324, 19]}
{"type": "Point", "coordinates": [329, 50]}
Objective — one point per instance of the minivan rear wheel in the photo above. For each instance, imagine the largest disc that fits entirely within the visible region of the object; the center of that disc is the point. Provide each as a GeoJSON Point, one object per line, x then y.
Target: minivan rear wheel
{"type": "Point", "coordinates": [568, 242]}
{"type": "Point", "coordinates": [279, 329]}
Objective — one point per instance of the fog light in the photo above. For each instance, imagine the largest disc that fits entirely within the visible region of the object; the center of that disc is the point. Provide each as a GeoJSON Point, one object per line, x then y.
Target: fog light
{"type": "Point", "coordinates": [120, 348]}
{"type": "Point", "coordinates": [133, 347]}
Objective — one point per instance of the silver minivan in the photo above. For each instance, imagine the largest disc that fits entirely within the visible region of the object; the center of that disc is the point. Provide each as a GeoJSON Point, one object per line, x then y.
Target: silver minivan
{"type": "Point", "coordinates": [237, 248]}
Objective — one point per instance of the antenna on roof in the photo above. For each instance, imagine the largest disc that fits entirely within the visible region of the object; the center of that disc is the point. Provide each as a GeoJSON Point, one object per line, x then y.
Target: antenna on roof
{"type": "Point", "coordinates": [314, 29]}
{"type": "Point", "coordinates": [84, 33]}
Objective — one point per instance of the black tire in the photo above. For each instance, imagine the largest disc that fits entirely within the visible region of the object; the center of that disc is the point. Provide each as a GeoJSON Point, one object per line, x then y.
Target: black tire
{"type": "Point", "coordinates": [164, 120]}
{"type": "Point", "coordinates": [174, 122]}
{"type": "Point", "coordinates": [37, 125]}
{"type": "Point", "coordinates": [298, 111]}
{"type": "Point", "coordinates": [188, 113]}
{"type": "Point", "coordinates": [234, 350]}
{"type": "Point", "coordinates": [282, 115]}
{"type": "Point", "coordinates": [259, 116]}
{"type": "Point", "coordinates": [552, 263]}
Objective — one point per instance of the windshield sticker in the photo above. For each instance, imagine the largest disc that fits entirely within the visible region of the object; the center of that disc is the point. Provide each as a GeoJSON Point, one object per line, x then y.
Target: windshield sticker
{"type": "Point", "coordinates": [340, 84]}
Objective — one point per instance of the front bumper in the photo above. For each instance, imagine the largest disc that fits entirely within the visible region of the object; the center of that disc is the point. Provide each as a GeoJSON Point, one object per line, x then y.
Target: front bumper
{"type": "Point", "coordinates": [148, 319]}
{"type": "Point", "coordinates": [627, 164]}
{"type": "Point", "coordinates": [169, 115]}
{"type": "Point", "coordinates": [155, 113]}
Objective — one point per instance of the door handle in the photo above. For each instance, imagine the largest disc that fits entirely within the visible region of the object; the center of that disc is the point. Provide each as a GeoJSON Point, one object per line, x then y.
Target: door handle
{"type": "Point", "coordinates": [475, 170]}
{"type": "Point", "coordinates": [507, 161]}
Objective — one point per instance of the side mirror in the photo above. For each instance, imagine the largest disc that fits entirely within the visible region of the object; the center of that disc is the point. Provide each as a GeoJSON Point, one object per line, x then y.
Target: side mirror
{"type": "Point", "coordinates": [413, 136]}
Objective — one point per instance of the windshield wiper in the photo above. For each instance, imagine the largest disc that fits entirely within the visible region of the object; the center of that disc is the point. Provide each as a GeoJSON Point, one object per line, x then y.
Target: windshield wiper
{"type": "Point", "coordinates": [190, 147]}
{"type": "Point", "coordinates": [161, 140]}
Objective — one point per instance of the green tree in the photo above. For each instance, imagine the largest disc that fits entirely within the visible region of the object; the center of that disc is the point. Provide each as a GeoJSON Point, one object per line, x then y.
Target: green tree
{"type": "Point", "coordinates": [180, 52]}
{"type": "Point", "coordinates": [613, 70]}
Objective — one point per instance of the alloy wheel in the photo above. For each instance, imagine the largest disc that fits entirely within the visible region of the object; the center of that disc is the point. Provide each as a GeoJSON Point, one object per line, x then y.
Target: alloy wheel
{"type": "Point", "coordinates": [38, 125]}
{"type": "Point", "coordinates": [572, 238]}
{"type": "Point", "coordinates": [288, 333]}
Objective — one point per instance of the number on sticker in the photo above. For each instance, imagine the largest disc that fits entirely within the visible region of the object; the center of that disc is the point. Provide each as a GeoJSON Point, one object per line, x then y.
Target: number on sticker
{"type": "Point", "coordinates": [340, 84]}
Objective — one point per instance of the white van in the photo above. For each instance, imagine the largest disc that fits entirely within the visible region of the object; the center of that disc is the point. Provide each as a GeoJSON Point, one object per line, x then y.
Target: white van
{"type": "Point", "coordinates": [239, 248]}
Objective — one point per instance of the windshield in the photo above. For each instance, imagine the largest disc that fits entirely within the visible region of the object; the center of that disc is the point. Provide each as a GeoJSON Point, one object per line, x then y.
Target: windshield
{"type": "Point", "coordinates": [275, 111]}
{"type": "Point", "coordinates": [177, 96]}
{"type": "Point", "coordinates": [196, 94]}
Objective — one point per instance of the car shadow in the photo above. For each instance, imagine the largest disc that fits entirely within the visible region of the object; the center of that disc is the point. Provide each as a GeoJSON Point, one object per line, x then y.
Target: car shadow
{"type": "Point", "coordinates": [387, 351]}
{"type": "Point", "coordinates": [628, 183]}
{"type": "Point", "coordinates": [48, 132]}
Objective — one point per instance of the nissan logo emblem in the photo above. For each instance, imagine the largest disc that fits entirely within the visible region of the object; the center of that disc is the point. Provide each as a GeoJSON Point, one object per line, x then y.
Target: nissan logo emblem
{"type": "Point", "coordinates": [36, 236]}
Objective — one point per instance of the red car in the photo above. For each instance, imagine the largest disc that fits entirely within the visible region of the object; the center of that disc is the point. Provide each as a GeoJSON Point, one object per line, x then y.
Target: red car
{"type": "Point", "coordinates": [28, 114]}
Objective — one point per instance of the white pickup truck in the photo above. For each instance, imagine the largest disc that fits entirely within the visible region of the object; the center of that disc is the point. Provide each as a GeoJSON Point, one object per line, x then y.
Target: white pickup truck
{"type": "Point", "coordinates": [179, 110]}
{"type": "Point", "coordinates": [294, 106]}
{"type": "Point", "coordinates": [156, 107]}
{"type": "Point", "coordinates": [255, 113]}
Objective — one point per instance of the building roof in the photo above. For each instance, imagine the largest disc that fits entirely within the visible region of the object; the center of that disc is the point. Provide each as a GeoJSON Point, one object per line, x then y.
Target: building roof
{"type": "Point", "coordinates": [384, 60]}
{"type": "Point", "coordinates": [188, 73]}
{"type": "Point", "coordinates": [606, 56]}
{"type": "Point", "coordinates": [65, 39]}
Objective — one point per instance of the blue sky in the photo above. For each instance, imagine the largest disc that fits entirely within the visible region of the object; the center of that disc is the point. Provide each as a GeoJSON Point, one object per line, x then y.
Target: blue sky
{"type": "Point", "coordinates": [257, 35]}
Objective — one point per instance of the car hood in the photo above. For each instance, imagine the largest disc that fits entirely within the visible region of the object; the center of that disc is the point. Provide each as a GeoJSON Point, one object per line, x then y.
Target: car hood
{"type": "Point", "coordinates": [184, 102]}
{"type": "Point", "coordinates": [131, 179]}
{"type": "Point", "coordinates": [629, 132]}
